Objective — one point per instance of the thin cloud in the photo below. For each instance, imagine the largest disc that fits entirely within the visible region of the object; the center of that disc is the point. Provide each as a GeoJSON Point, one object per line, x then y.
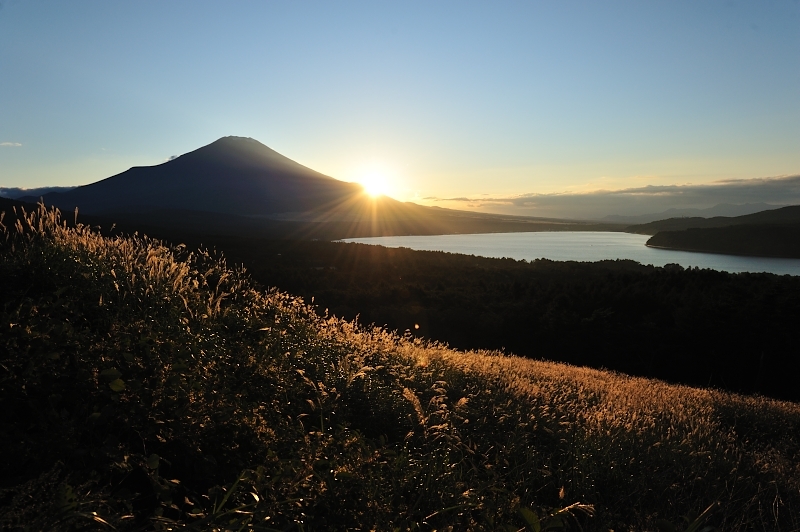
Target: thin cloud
{"type": "Point", "coordinates": [435, 198]}
{"type": "Point", "coordinates": [10, 144]}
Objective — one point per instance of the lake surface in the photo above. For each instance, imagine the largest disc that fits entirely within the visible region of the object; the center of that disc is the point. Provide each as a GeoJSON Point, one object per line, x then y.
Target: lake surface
{"type": "Point", "coordinates": [585, 246]}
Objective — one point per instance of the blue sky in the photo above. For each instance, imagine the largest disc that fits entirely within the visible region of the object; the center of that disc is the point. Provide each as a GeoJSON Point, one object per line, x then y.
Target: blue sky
{"type": "Point", "coordinates": [443, 99]}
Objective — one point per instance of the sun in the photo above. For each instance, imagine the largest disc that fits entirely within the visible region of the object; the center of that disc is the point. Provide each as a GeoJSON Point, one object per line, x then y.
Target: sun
{"type": "Point", "coordinates": [375, 184]}
{"type": "Point", "coordinates": [377, 179]}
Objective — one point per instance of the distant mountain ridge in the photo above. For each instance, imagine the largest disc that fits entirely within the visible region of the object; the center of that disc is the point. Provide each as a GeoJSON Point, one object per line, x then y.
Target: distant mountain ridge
{"type": "Point", "coordinates": [722, 209]}
{"type": "Point", "coordinates": [783, 215]}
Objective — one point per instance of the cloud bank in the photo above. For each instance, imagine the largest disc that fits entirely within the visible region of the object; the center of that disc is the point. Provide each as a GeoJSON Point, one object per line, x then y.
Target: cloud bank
{"type": "Point", "coordinates": [10, 144]}
{"type": "Point", "coordinates": [781, 190]}
{"type": "Point", "coordinates": [14, 192]}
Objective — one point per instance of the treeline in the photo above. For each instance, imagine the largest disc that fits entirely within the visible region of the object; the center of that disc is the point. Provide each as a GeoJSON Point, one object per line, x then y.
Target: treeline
{"type": "Point", "coordinates": [700, 327]}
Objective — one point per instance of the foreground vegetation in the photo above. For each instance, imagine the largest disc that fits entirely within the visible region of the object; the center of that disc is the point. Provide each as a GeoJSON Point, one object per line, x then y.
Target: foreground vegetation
{"type": "Point", "coordinates": [146, 387]}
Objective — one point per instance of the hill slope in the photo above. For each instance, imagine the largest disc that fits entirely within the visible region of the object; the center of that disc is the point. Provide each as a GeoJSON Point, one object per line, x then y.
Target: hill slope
{"type": "Point", "coordinates": [687, 326]}
{"type": "Point", "coordinates": [146, 387]}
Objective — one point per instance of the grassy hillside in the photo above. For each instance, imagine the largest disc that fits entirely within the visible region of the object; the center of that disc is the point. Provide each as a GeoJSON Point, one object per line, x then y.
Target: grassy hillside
{"type": "Point", "coordinates": [687, 326]}
{"type": "Point", "coordinates": [145, 387]}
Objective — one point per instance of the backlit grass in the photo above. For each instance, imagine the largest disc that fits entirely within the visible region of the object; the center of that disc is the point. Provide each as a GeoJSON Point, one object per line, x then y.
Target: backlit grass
{"type": "Point", "coordinates": [147, 387]}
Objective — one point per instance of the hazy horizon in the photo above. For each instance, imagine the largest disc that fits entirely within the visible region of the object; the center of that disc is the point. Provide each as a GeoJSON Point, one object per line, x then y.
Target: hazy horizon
{"type": "Point", "coordinates": [741, 196]}
{"type": "Point", "coordinates": [559, 110]}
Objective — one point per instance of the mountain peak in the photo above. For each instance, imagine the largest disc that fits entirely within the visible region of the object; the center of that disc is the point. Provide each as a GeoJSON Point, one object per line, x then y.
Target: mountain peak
{"type": "Point", "coordinates": [232, 175]}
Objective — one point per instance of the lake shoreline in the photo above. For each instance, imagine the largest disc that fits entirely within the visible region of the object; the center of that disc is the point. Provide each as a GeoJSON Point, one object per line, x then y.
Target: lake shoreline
{"type": "Point", "coordinates": [585, 246]}
{"type": "Point", "coordinates": [688, 250]}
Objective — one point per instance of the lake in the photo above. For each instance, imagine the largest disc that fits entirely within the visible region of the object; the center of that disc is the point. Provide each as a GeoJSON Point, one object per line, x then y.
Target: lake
{"type": "Point", "coordinates": [585, 246]}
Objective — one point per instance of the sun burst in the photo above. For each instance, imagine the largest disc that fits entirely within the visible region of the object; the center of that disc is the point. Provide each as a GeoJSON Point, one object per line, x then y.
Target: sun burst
{"type": "Point", "coordinates": [375, 184]}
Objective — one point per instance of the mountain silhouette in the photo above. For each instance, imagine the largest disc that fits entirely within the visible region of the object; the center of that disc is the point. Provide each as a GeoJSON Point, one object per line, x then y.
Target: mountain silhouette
{"type": "Point", "coordinates": [233, 175]}
{"type": "Point", "coordinates": [238, 186]}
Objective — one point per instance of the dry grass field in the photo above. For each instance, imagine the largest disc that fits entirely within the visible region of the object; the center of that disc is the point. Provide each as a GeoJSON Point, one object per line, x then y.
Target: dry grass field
{"type": "Point", "coordinates": [147, 387]}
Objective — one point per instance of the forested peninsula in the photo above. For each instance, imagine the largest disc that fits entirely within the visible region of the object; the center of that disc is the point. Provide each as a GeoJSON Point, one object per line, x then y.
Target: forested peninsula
{"type": "Point", "coordinates": [771, 233]}
{"type": "Point", "coordinates": [763, 240]}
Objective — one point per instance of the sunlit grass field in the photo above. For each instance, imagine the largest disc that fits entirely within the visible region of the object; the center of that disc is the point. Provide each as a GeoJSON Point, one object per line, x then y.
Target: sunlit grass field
{"type": "Point", "coordinates": [148, 387]}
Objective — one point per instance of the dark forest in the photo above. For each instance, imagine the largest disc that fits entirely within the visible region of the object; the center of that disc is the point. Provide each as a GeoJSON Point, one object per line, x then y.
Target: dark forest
{"type": "Point", "coordinates": [699, 327]}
